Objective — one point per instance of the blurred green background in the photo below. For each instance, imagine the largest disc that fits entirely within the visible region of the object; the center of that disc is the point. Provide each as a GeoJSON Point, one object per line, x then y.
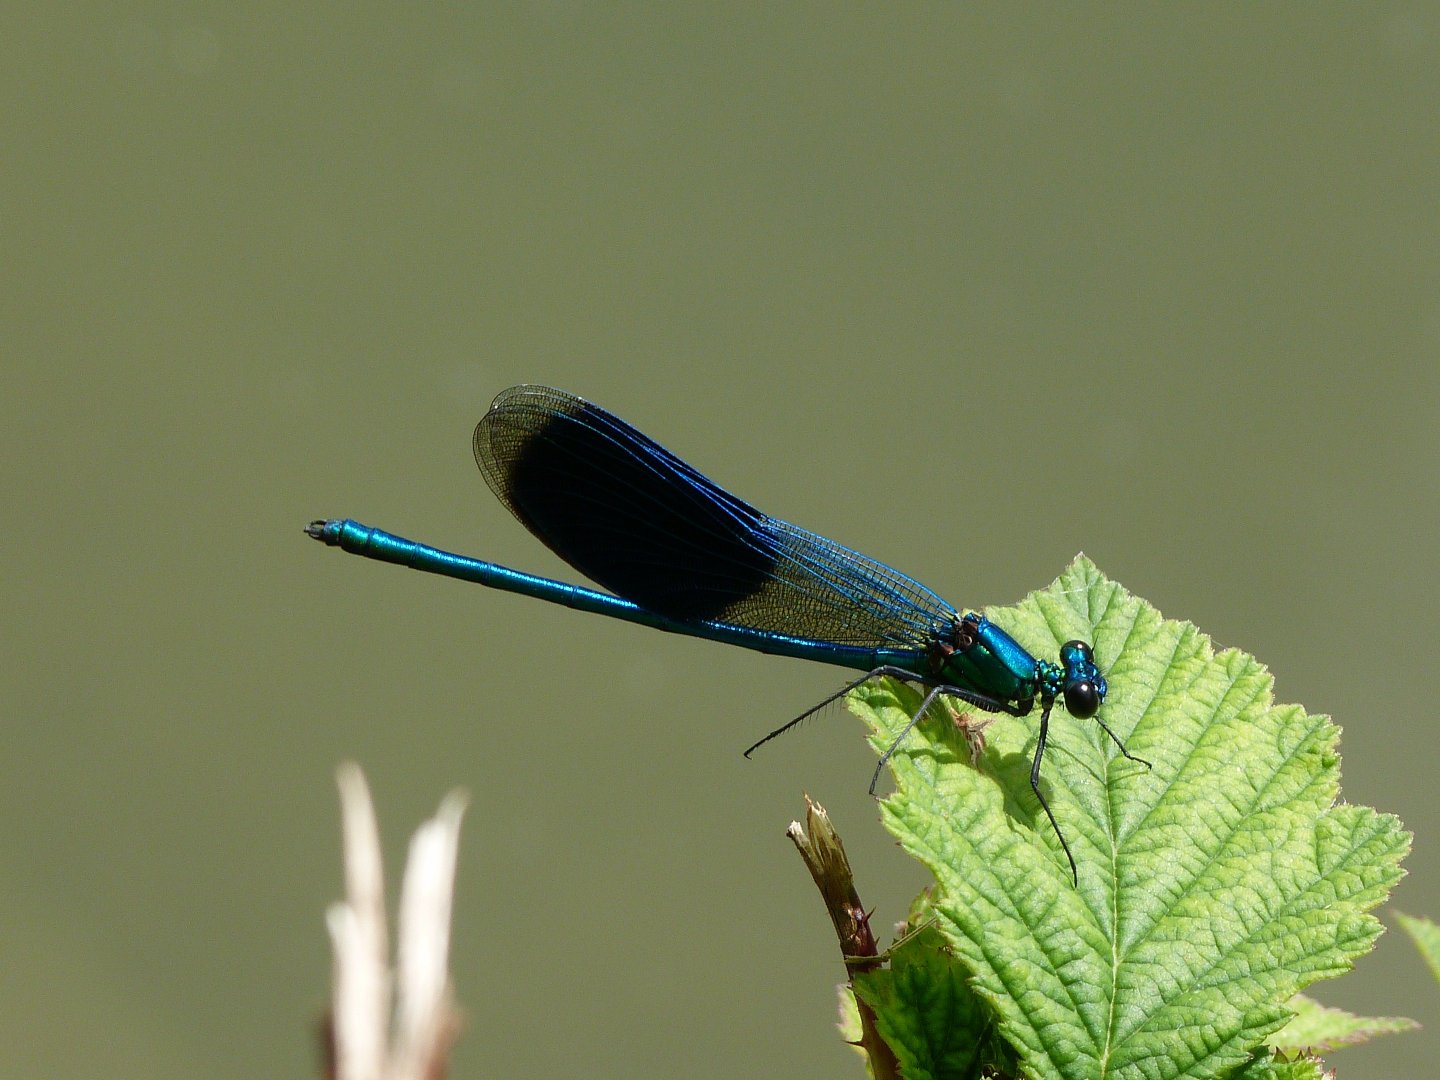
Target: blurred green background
{"type": "Point", "coordinates": [969, 289]}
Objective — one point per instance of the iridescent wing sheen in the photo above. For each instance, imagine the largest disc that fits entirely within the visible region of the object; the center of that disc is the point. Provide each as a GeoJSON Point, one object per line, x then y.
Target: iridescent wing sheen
{"type": "Point", "coordinates": [638, 521]}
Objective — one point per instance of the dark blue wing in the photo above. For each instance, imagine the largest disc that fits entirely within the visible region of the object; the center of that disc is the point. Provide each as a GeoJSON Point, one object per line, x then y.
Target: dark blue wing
{"type": "Point", "coordinates": [637, 520]}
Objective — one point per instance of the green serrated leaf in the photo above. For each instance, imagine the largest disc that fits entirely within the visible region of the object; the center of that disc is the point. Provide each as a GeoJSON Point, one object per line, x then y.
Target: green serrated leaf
{"type": "Point", "coordinates": [1318, 1028]}
{"type": "Point", "coordinates": [927, 1014]}
{"type": "Point", "coordinates": [1212, 888]}
{"type": "Point", "coordinates": [1426, 935]}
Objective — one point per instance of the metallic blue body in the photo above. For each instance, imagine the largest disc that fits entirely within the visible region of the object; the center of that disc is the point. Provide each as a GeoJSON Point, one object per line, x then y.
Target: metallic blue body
{"type": "Point", "coordinates": [995, 665]}
{"type": "Point", "coordinates": [361, 539]}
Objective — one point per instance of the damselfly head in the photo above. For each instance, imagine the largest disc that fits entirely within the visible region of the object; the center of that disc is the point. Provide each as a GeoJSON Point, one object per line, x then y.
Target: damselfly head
{"type": "Point", "coordinates": [1084, 685]}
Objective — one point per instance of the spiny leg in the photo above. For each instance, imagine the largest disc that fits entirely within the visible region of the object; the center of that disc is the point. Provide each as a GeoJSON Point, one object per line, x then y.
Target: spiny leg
{"type": "Point", "coordinates": [935, 691]}
{"type": "Point", "coordinates": [1035, 786]}
{"type": "Point", "coordinates": [1115, 739]}
{"type": "Point", "coordinates": [888, 669]}
{"type": "Point", "coordinates": [970, 697]}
